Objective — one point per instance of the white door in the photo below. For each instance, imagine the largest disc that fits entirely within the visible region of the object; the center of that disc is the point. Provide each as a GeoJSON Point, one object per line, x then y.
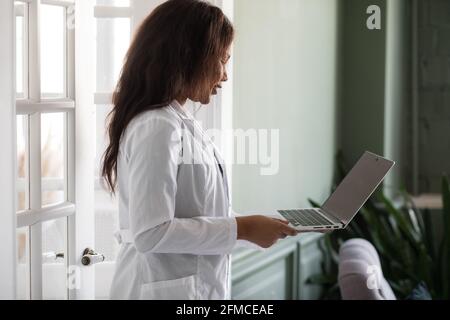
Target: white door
{"type": "Point", "coordinates": [68, 57]}
{"type": "Point", "coordinates": [45, 106]}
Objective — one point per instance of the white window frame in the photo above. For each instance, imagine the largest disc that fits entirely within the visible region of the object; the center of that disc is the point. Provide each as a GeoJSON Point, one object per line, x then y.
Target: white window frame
{"type": "Point", "coordinates": [24, 14]}
{"type": "Point", "coordinates": [7, 163]}
{"type": "Point", "coordinates": [32, 104]}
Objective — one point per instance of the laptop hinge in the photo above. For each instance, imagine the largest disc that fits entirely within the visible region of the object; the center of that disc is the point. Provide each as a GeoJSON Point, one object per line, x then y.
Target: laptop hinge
{"type": "Point", "coordinates": [331, 217]}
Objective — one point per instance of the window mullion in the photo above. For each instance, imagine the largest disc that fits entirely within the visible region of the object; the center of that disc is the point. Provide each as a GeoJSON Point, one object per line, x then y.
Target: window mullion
{"type": "Point", "coordinates": [46, 106]}
{"type": "Point", "coordinates": [34, 92]}
{"type": "Point", "coordinates": [26, 55]}
{"type": "Point", "coordinates": [70, 52]}
{"type": "Point", "coordinates": [34, 61]}
{"type": "Point", "coordinates": [66, 76]}
{"type": "Point", "coordinates": [35, 204]}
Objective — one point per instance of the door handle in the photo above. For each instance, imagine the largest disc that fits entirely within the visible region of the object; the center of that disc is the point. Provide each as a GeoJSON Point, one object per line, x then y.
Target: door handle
{"type": "Point", "coordinates": [90, 257]}
{"type": "Point", "coordinates": [52, 256]}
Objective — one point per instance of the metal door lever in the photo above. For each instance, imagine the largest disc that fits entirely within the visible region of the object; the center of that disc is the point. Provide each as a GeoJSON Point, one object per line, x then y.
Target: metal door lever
{"type": "Point", "coordinates": [91, 257]}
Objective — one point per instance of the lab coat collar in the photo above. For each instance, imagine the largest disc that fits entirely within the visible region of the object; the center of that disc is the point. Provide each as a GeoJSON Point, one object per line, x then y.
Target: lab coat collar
{"type": "Point", "coordinates": [186, 115]}
{"type": "Point", "coordinates": [183, 112]}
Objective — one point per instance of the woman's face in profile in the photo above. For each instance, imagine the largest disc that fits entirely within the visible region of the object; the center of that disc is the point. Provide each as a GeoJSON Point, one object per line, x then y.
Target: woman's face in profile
{"type": "Point", "coordinates": [215, 80]}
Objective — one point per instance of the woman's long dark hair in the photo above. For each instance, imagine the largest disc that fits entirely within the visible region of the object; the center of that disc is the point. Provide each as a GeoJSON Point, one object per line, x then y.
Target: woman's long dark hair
{"type": "Point", "coordinates": [173, 53]}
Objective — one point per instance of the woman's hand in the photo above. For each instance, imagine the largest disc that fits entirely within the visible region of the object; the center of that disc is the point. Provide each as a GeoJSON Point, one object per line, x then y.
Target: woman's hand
{"type": "Point", "coordinates": [263, 231]}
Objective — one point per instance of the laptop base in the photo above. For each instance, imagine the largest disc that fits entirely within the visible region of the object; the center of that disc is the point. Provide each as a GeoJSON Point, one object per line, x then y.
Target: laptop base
{"type": "Point", "coordinates": [310, 219]}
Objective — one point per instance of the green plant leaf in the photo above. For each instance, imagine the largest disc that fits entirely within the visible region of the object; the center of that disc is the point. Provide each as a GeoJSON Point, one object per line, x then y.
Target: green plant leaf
{"type": "Point", "coordinates": [406, 228]}
{"type": "Point", "coordinates": [321, 279]}
{"type": "Point", "coordinates": [428, 234]}
{"type": "Point", "coordinates": [314, 203]}
{"type": "Point", "coordinates": [414, 212]}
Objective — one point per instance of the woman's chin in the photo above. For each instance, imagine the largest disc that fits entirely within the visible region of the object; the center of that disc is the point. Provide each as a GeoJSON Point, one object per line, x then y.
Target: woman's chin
{"type": "Point", "coordinates": [204, 100]}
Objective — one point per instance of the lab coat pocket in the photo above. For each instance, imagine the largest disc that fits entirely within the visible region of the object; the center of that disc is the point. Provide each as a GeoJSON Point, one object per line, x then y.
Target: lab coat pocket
{"type": "Point", "coordinates": [177, 289]}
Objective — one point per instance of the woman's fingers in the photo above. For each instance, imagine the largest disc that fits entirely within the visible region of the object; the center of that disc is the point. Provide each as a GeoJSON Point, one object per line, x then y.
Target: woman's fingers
{"type": "Point", "coordinates": [280, 220]}
{"type": "Point", "coordinates": [288, 230]}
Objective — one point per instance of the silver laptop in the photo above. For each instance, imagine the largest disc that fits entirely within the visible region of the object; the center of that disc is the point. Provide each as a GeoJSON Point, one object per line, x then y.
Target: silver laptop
{"type": "Point", "coordinates": [345, 202]}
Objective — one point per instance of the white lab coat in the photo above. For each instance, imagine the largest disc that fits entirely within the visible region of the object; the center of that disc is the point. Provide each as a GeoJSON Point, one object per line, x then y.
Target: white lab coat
{"type": "Point", "coordinates": [177, 227]}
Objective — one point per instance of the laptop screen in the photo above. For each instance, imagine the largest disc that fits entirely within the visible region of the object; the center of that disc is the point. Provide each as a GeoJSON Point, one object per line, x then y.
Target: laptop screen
{"type": "Point", "coordinates": [357, 186]}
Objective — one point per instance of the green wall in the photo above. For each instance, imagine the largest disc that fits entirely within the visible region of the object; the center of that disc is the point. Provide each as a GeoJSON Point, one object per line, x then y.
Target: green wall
{"type": "Point", "coordinates": [362, 81]}
{"type": "Point", "coordinates": [374, 84]}
{"type": "Point", "coordinates": [434, 93]}
{"type": "Point", "coordinates": [285, 77]}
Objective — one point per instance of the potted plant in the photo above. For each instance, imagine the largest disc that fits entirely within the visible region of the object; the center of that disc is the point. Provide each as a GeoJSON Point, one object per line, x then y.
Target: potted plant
{"type": "Point", "coordinates": [405, 240]}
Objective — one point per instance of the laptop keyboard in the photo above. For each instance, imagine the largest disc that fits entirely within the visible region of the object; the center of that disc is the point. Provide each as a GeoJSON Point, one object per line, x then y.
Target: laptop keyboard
{"type": "Point", "coordinates": [305, 217]}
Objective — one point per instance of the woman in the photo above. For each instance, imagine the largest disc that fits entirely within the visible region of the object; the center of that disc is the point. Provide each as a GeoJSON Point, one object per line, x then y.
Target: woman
{"type": "Point", "coordinates": [176, 226]}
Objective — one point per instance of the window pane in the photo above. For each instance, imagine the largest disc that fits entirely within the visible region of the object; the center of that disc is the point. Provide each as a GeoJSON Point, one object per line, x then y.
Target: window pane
{"type": "Point", "coordinates": [23, 264]}
{"type": "Point", "coordinates": [53, 51]}
{"type": "Point", "coordinates": [53, 158]}
{"type": "Point", "coordinates": [113, 40]}
{"type": "Point", "coordinates": [19, 55]}
{"type": "Point", "coordinates": [22, 163]}
{"type": "Point", "coordinates": [54, 244]}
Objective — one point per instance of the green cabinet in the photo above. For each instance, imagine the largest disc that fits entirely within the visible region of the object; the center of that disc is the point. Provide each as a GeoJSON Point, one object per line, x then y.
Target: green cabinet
{"type": "Point", "coordinates": [280, 272]}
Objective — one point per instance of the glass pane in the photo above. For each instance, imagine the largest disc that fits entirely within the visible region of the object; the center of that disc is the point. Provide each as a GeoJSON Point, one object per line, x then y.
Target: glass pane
{"type": "Point", "coordinates": [23, 264]}
{"type": "Point", "coordinates": [53, 52]}
{"type": "Point", "coordinates": [53, 158]}
{"type": "Point", "coordinates": [105, 208]}
{"type": "Point", "coordinates": [54, 253]}
{"type": "Point", "coordinates": [19, 55]}
{"type": "Point", "coordinates": [113, 40]}
{"type": "Point", "coordinates": [22, 163]}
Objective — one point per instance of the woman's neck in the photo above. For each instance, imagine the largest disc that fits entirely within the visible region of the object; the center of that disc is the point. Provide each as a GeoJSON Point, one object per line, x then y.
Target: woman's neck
{"type": "Point", "coordinates": [181, 101]}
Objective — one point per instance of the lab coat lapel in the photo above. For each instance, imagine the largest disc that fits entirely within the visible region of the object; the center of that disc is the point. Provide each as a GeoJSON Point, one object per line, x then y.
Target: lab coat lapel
{"type": "Point", "coordinates": [195, 130]}
{"type": "Point", "coordinates": [221, 163]}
